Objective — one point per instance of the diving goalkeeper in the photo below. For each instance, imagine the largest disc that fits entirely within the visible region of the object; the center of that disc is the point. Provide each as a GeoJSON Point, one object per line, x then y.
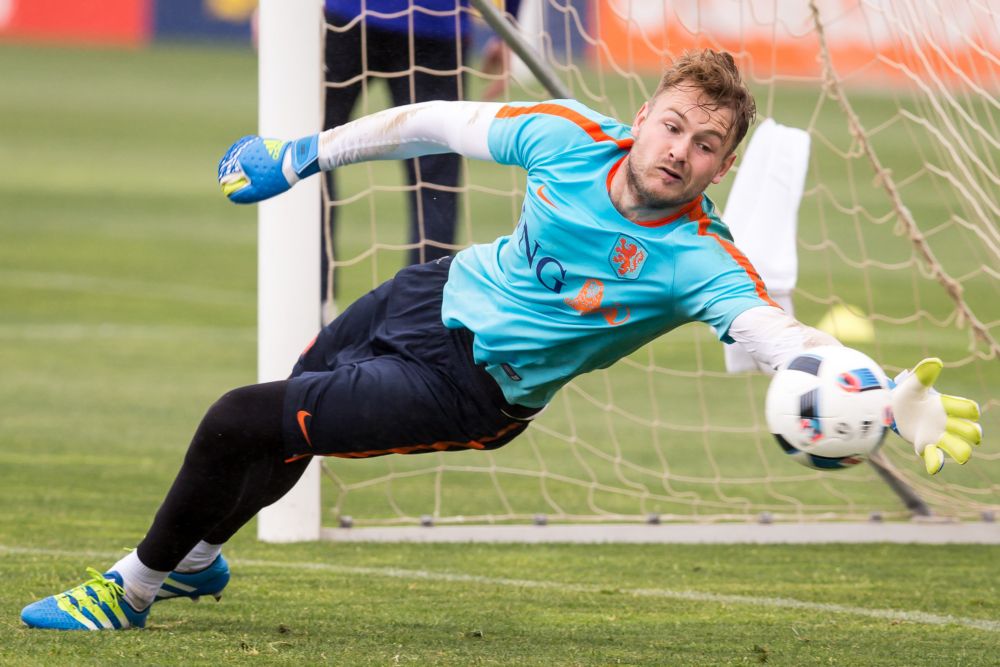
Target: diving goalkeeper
{"type": "Point", "coordinates": [616, 244]}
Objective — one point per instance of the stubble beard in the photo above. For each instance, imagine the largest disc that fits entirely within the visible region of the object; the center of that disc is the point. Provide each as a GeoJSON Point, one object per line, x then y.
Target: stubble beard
{"type": "Point", "coordinates": [649, 199]}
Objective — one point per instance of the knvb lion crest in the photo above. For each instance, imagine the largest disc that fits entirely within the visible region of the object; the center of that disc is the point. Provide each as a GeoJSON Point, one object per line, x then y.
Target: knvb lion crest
{"type": "Point", "coordinates": [627, 257]}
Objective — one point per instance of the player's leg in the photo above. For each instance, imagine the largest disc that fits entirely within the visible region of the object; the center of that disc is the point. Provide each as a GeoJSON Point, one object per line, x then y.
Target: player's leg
{"type": "Point", "coordinates": [233, 452]}
{"type": "Point", "coordinates": [434, 204]}
{"type": "Point", "coordinates": [268, 477]}
{"type": "Point", "coordinates": [261, 410]}
{"type": "Point", "coordinates": [235, 465]}
{"type": "Point", "coordinates": [235, 462]}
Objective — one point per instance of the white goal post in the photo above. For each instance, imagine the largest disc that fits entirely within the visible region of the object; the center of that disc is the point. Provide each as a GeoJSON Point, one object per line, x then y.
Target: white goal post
{"type": "Point", "coordinates": [288, 286]}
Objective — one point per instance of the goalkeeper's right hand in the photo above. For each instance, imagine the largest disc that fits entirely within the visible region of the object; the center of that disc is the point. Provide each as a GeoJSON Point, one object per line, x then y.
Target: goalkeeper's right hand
{"type": "Point", "coordinates": [254, 169]}
{"type": "Point", "coordinates": [934, 423]}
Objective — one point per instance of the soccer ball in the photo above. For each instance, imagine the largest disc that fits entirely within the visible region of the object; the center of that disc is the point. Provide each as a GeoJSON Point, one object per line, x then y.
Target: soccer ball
{"type": "Point", "coordinates": [829, 408]}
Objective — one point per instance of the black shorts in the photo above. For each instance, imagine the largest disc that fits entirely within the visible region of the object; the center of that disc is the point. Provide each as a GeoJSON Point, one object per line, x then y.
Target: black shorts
{"type": "Point", "coordinates": [388, 377]}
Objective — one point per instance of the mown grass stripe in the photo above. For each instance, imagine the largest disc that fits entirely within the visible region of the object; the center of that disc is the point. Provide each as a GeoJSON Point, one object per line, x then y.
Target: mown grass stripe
{"type": "Point", "coordinates": [80, 283]}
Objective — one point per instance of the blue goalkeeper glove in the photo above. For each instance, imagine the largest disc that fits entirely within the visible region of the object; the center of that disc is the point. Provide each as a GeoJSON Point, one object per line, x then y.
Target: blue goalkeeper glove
{"type": "Point", "coordinates": [255, 169]}
{"type": "Point", "coordinates": [934, 423]}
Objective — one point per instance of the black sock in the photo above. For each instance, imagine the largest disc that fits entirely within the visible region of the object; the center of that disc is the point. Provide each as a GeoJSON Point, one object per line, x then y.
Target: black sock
{"type": "Point", "coordinates": [233, 468]}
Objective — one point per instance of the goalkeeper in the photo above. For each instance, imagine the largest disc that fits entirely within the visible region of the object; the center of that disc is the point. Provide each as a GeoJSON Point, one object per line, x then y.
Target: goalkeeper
{"type": "Point", "coordinates": [616, 244]}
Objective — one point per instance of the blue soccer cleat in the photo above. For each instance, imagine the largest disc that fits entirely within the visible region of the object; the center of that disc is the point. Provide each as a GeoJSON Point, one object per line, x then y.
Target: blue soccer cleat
{"type": "Point", "coordinates": [210, 581]}
{"type": "Point", "coordinates": [96, 604]}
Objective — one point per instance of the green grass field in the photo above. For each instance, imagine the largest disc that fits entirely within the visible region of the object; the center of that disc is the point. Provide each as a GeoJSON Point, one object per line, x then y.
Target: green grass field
{"type": "Point", "coordinates": [127, 293]}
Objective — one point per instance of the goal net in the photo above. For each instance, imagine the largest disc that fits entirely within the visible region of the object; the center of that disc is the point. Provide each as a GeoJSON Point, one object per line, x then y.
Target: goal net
{"type": "Point", "coordinates": [898, 254]}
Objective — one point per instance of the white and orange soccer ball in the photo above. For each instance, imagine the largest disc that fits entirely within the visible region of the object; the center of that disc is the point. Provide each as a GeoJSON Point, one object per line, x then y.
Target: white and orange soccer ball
{"type": "Point", "coordinates": [829, 408]}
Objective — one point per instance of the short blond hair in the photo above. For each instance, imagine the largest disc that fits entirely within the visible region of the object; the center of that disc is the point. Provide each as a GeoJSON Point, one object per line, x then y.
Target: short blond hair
{"type": "Point", "coordinates": [717, 76]}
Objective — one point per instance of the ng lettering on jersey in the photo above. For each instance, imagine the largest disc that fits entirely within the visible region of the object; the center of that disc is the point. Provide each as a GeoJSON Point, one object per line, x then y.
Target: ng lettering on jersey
{"type": "Point", "coordinates": [549, 272]}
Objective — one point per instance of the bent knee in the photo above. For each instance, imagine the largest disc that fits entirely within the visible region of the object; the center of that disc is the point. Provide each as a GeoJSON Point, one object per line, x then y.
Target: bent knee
{"type": "Point", "coordinates": [243, 417]}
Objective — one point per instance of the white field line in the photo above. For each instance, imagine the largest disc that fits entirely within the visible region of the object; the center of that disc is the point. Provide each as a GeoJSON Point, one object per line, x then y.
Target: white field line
{"type": "Point", "coordinates": [663, 593]}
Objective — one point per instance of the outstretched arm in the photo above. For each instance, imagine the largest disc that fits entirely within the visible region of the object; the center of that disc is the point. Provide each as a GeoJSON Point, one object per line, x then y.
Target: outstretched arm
{"type": "Point", "coordinates": [934, 423]}
{"type": "Point", "coordinates": [773, 337]}
{"type": "Point", "coordinates": [254, 168]}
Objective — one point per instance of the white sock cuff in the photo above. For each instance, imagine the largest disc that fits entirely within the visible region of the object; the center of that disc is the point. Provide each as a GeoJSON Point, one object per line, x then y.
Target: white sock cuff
{"type": "Point", "coordinates": [140, 582]}
{"type": "Point", "coordinates": [203, 555]}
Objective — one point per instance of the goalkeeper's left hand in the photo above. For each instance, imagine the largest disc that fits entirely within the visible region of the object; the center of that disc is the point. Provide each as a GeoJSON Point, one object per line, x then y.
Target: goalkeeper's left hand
{"type": "Point", "coordinates": [935, 423]}
{"type": "Point", "coordinates": [254, 168]}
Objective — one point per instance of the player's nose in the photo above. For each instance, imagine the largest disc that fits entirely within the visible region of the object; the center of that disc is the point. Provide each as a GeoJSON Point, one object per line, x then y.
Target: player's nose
{"type": "Point", "coordinates": [678, 149]}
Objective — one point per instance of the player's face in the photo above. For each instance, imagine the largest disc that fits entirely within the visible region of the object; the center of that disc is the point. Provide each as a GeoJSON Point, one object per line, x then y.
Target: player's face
{"type": "Point", "coordinates": [681, 147]}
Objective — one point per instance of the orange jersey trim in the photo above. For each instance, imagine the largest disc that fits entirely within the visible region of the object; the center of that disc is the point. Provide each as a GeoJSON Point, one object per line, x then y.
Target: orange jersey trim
{"type": "Point", "coordinates": [686, 210]}
{"type": "Point", "coordinates": [734, 252]}
{"type": "Point", "coordinates": [589, 126]}
{"type": "Point", "coordinates": [614, 170]}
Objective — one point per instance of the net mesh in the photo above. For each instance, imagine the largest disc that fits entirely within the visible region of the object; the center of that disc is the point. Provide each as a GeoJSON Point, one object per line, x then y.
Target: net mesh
{"type": "Point", "coordinates": [899, 255]}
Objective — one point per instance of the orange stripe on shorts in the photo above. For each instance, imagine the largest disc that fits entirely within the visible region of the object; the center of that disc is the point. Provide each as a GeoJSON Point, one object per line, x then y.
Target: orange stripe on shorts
{"type": "Point", "coordinates": [441, 446]}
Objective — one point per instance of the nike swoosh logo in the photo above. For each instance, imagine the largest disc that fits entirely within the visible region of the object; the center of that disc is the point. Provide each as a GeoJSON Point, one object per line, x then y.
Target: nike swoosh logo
{"type": "Point", "coordinates": [543, 197]}
{"type": "Point", "coordinates": [301, 416]}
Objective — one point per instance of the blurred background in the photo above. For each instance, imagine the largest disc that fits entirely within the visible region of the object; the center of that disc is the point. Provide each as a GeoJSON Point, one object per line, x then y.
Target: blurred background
{"type": "Point", "coordinates": [126, 23]}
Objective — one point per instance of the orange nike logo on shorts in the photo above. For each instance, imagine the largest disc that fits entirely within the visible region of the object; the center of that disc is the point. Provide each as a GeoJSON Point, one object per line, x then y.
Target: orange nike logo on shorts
{"type": "Point", "coordinates": [301, 416]}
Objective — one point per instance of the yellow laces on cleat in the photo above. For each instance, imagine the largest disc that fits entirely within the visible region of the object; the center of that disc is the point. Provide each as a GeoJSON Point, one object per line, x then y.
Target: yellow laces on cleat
{"type": "Point", "coordinates": [108, 594]}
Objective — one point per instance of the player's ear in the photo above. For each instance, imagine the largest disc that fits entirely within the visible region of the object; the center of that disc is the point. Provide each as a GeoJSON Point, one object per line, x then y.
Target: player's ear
{"type": "Point", "coordinates": [640, 118]}
{"type": "Point", "coordinates": [727, 163]}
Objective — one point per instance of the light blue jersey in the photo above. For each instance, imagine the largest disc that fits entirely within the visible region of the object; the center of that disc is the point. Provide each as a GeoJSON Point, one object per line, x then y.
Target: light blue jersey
{"type": "Point", "coordinates": [577, 286]}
